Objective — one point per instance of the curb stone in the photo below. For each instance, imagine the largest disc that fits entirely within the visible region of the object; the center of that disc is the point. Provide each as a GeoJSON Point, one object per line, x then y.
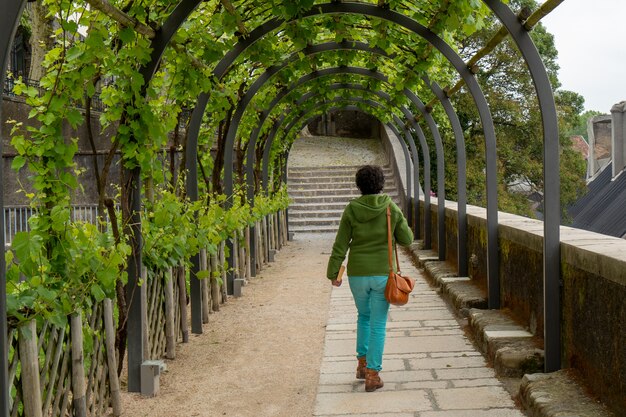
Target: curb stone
{"type": "Point", "coordinates": [558, 394]}
{"type": "Point", "coordinates": [515, 352]}
{"type": "Point", "coordinates": [494, 331]}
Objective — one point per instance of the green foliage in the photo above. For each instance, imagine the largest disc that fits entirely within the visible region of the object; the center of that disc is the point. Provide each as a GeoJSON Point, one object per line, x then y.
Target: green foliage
{"type": "Point", "coordinates": [579, 127]}
{"type": "Point", "coordinates": [507, 84]}
{"type": "Point", "coordinates": [80, 270]}
{"type": "Point", "coordinates": [67, 265]}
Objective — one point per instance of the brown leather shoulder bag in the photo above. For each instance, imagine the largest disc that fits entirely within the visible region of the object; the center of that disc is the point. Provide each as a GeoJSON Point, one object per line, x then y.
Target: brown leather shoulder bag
{"type": "Point", "coordinates": [398, 286]}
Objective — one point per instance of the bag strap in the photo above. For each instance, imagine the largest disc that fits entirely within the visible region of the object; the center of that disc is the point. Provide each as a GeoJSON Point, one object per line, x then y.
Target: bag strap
{"type": "Point", "coordinates": [389, 245]}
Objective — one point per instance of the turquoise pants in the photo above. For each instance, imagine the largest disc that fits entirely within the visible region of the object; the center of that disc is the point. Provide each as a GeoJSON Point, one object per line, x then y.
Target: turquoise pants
{"type": "Point", "coordinates": [369, 297]}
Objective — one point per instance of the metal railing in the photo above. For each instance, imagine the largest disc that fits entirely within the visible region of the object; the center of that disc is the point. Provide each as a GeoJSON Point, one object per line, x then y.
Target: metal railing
{"type": "Point", "coordinates": [16, 218]}
{"type": "Point", "coordinates": [9, 85]}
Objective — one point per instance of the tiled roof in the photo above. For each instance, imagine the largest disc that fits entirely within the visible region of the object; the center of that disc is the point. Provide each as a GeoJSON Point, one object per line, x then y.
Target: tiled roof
{"type": "Point", "coordinates": [580, 144]}
{"type": "Point", "coordinates": [602, 209]}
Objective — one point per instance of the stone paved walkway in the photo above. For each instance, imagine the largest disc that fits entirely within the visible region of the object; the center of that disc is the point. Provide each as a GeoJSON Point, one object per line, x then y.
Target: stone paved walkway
{"type": "Point", "coordinates": [430, 368]}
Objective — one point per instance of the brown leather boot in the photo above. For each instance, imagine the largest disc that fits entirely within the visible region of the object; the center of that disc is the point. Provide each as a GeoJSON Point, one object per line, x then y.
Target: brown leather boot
{"type": "Point", "coordinates": [372, 380]}
{"type": "Point", "coordinates": [360, 369]}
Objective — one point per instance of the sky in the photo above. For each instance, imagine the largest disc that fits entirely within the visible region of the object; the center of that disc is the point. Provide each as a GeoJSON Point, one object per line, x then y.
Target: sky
{"type": "Point", "coordinates": [589, 36]}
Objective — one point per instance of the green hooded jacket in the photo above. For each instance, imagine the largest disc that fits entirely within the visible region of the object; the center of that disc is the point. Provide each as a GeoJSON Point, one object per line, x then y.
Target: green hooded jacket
{"type": "Point", "coordinates": [363, 230]}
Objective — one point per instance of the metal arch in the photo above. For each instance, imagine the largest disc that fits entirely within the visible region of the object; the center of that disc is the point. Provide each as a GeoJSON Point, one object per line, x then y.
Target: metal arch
{"type": "Point", "coordinates": [423, 143]}
{"type": "Point", "coordinates": [294, 122]}
{"type": "Point", "coordinates": [259, 83]}
{"type": "Point", "coordinates": [474, 88]}
{"type": "Point", "coordinates": [163, 36]}
{"type": "Point", "coordinates": [394, 129]}
{"type": "Point", "coordinates": [363, 72]}
{"type": "Point", "coordinates": [493, 281]}
{"type": "Point", "coordinates": [466, 75]}
{"type": "Point", "coordinates": [441, 189]}
{"type": "Point", "coordinates": [251, 153]}
{"type": "Point", "coordinates": [9, 20]}
{"type": "Point", "coordinates": [461, 177]}
{"type": "Point", "coordinates": [409, 139]}
{"type": "Point", "coordinates": [551, 180]}
{"type": "Point", "coordinates": [137, 305]}
{"type": "Point", "coordinates": [301, 115]}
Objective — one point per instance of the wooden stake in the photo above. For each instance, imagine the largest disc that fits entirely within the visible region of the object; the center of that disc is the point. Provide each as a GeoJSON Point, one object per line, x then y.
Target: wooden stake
{"type": "Point", "coordinates": [223, 271]}
{"type": "Point", "coordinates": [29, 356]}
{"type": "Point", "coordinates": [204, 286]}
{"type": "Point", "coordinates": [170, 326]}
{"type": "Point", "coordinates": [78, 368]}
{"type": "Point", "coordinates": [145, 333]}
{"type": "Point", "coordinates": [215, 288]}
{"type": "Point", "coordinates": [235, 265]}
{"type": "Point", "coordinates": [109, 341]}
{"type": "Point", "coordinates": [182, 301]}
{"type": "Point", "coordinates": [242, 256]}
{"type": "Point", "coordinates": [248, 259]}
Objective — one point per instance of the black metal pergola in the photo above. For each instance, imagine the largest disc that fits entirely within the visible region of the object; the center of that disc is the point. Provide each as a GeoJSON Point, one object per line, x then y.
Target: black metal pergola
{"type": "Point", "coordinates": [406, 128]}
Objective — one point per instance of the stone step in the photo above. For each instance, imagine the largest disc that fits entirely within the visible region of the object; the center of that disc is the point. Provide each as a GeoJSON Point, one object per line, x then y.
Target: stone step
{"type": "Point", "coordinates": [333, 221]}
{"type": "Point", "coordinates": [353, 168]}
{"type": "Point", "coordinates": [324, 199]}
{"type": "Point", "coordinates": [348, 173]}
{"type": "Point", "coordinates": [325, 192]}
{"type": "Point", "coordinates": [307, 214]}
{"type": "Point", "coordinates": [327, 178]}
{"type": "Point", "coordinates": [298, 185]}
{"type": "Point", "coordinates": [340, 205]}
{"type": "Point", "coordinates": [318, 229]}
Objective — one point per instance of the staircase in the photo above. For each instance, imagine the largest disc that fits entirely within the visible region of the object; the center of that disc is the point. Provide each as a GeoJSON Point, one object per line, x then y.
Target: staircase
{"type": "Point", "coordinates": [320, 194]}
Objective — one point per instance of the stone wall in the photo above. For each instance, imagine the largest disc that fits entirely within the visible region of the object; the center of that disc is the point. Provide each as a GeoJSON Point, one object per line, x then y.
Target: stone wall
{"type": "Point", "coordinates": [599, 132]}
{"type": "Point", "coordinates": [397, 162]}
{"type": "Point", "coordinates": [593, 276]}
{"type": "Point", "coordinates": [15, 109]}
{"type": "Point", "coordinates": [345, 123]}
{"type": "Point", "coordinates": [14, 183]}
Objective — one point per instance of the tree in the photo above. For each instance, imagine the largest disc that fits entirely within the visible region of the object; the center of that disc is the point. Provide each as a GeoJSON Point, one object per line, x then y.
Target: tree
{"type": "Point", "coordinates": [41, 40]}
{"type": "Point", "coordinates": [507, 84]}
{"type": "Point", "coordinates": [580, 127]}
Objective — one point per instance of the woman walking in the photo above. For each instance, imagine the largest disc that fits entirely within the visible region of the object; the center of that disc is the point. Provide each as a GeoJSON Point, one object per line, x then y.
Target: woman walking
{"type": "Point", "coordinates": [363, 230]}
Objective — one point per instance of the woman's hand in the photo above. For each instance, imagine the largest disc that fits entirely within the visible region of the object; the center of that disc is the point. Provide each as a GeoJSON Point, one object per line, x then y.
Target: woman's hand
{"type": "Point", "coordinates": [336, 283]}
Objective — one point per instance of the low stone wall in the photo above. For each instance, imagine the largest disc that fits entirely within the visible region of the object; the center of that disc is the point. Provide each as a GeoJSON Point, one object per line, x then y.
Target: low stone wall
{"type": "Point", "coordinates": [593, 276]}
{"type": "Point", "coordinates": [393, 150]}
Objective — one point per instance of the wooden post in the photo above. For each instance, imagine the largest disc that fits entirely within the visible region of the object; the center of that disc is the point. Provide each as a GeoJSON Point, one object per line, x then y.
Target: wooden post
{"type": "Point", "coordinates": [242, 255]}
{"type": "Point", "coordinates": [204, 286]}
{"type": "Point", "coordinates": [143, 292]}
{"type": "Point", "coordinates": [109, 340]}
{"type": "Point", "coordinates": [78, 367]}
{"type": "Point", "coordinates": [222, 264]}
{"type": "Point", "coordinates": [235, 254]}
{"type": "Point", "coordinates": [182, 302]}
{"type": "Point", "coordinates": [264, 238]}
{"type": "Point", "coordinates": [260, 252]}
{"type": "Point", "coordinates": [277, 230]}
{"type": "Point", "coordinates": [29, 358]}
{"type": "Point", "coordinates": [215, 288]}
{"type": "Point", "coordinates": [170, 325]}
{"type": "Point", "coordinates": [248, 258]}
{"type": "Point", "coordinates": [268, 230]}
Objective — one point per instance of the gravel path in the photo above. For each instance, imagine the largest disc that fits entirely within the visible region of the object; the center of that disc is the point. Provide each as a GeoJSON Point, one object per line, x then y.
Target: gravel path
{"type": "Point", "coordinates": [261, 354]}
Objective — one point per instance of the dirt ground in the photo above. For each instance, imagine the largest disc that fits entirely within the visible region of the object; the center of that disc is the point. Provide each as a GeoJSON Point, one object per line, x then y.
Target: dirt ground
{"type": "Point", "coordinates": [260, 355]}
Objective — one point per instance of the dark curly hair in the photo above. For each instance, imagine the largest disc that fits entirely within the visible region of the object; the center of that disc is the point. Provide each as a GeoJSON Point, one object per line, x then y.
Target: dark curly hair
{"type": "Point", "coordinates": [370, 179]}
